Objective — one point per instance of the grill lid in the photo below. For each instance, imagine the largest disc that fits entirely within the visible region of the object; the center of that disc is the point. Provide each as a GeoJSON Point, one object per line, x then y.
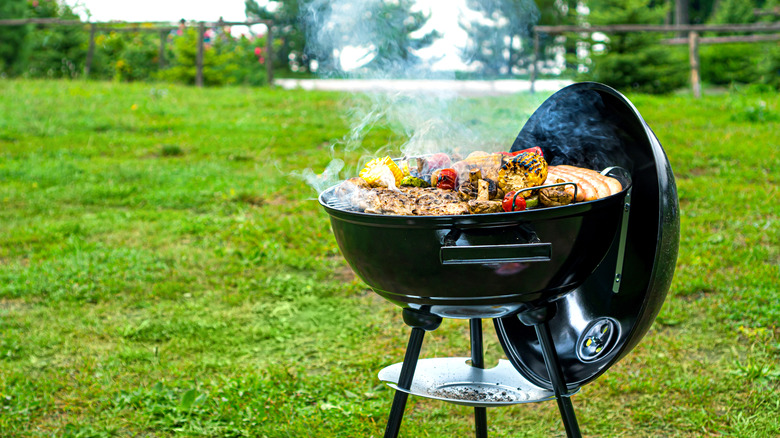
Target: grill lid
{"type": "Point", "coordinates": [601, 321]}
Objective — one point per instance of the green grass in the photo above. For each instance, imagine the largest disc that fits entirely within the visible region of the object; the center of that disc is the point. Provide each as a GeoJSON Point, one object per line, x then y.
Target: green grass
{"type": "Point", "coordinates": [162, 273]}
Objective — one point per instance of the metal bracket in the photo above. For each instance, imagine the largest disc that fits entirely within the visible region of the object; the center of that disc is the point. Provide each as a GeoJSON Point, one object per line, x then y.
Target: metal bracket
{"type": "Point", "coordinates": [622, 242]}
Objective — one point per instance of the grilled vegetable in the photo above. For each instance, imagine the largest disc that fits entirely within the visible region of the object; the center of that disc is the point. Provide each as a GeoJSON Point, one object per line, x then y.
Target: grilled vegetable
{"type": "Point", "coordinates": [528, 169]}
{"type": "Point", "coordinates": [434, 162]}
{"type": "Point", "coordinates": [513, 201]}
{"type": "Point", "coordinates": [413, 181]}
{"type": "Point", "coordinates": [488, 164]}
{"type": "Point", "coordinates": [447, 180]}
{"type": "Point", "coordinates": [375, 174]}
{"type": "Point", "coordinates": [535, 149]}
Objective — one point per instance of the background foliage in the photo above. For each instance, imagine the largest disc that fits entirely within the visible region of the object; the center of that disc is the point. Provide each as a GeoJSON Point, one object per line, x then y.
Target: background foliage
{"type": "Point", "coordinates": [498, 46]}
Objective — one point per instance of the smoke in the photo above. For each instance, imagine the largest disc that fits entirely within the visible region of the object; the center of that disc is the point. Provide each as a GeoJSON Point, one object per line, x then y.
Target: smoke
{"type": "Point", "coordinates": [349, 39]}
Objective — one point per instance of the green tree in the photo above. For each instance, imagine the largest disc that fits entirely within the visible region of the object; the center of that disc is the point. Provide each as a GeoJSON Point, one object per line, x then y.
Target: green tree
{"type": "Point", "coordinates": [55, 51]}
{"type": "Point", "coordinates": [12, 38]}
{"type": "Point", "coordinates": [317, 30]}
{"type": "Point", "coordinates": [393, 25]}
{"type": "Point", "coordinates": [499, 41]}
{"type": "Point", "coordinates": [634, 60]}
{"type": "Point", "coordinates": [220, 62]}
{"type": "Point", "coordinates": [288, 27]}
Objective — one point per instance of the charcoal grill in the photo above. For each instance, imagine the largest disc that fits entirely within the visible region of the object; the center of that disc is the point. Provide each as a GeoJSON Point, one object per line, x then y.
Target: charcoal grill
{"type": "Point", "coordinates": [570, 289]}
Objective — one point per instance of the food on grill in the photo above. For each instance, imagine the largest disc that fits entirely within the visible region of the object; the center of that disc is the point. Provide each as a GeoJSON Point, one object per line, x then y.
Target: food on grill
{"type": "Point", "coordinates": [447, 179]}
{"type": "Point", "coordinates": [513, 202]}
{"type": "Point", "coordinates": [481, 207]}
{"type": "Point", "coordinates": [613, 185]}
{"type": "Point", "coordinates": [488, 164]}
{"type": "Point", "coordinates": [382, 172]}
{"type": "Point", "coordinates": [413, 181]}
{"type": "Point", "coordinates": [436, 186]}
{"type": "Point", "coordinates": [535, 149]}
{"type": "Point", "coordinates": [415, 201]}
{"type": "Point", "coordinates": [590, 183]}
{"type": "Point", "coordinates": [556, 196]}
{"type": "Point", "coordinates": [426, 165]}
{"type": "Point", "coordinates": [522, 171]}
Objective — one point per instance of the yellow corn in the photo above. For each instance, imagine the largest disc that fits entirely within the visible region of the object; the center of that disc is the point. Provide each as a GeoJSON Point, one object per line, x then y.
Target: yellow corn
{"type": "Point", "coordinates": [374, 169]}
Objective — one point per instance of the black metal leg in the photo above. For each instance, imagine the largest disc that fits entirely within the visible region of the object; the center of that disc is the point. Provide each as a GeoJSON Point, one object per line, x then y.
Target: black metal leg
{"type": "Point", "coordinates": [420, 323]}
{"type": "Point", "coordinates": [539, 319]}
{"type": "Point", "coordinates": [478, 361]}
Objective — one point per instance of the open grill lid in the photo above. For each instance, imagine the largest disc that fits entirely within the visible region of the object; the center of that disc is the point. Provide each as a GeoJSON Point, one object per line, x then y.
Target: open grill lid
{"type": "Point", "coordinates": [601, 321]}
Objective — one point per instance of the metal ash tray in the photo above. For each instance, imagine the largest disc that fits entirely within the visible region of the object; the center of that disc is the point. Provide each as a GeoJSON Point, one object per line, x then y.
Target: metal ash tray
{"type": "Point", "coordinates": [453, 380]}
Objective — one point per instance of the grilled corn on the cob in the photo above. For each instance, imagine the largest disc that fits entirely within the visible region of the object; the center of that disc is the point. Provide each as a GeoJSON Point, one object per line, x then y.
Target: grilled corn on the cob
{"type": "Point", "coordinates": [375, 169]}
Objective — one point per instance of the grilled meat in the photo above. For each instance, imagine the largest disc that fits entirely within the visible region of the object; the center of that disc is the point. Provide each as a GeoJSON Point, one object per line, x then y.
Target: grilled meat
{"type": "Point", "coordinates": [408, 201]}
{"type": "Point", "coordinates": [388, 201]}
{"type": "Point", "coordinates": [481, 207]}
{"type": "Point", "coordinates": [555, 196]}
{"type": "Point", "coordinates": [435, 202]}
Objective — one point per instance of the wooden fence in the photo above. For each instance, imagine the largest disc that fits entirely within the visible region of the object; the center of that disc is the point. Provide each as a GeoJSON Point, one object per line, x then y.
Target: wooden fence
{"type": "Point", "coordinates": [693, 39]}
{"type": "Point", "coordinates": [163, 28]}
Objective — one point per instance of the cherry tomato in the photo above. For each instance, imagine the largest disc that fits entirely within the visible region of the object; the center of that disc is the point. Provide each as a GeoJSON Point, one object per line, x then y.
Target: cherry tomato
{"type": "Point", "coordinates": [510, 199]}
{"type": "Point", "coordinates": [448, 179]}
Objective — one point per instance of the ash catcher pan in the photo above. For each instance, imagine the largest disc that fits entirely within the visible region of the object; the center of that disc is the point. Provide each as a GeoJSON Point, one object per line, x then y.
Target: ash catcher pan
{"type": "Point", "coordinates": [595, 126]}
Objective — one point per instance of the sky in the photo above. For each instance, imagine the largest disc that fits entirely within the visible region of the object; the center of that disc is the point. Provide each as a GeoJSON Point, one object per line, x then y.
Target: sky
{"type": "Point", "coordinates": [444, 18]}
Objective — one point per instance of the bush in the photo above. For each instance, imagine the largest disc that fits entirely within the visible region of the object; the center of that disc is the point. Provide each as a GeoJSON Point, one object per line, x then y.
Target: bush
{"type": "Point", "coordinates": [725, 64]}
{"type": "Point", "coordinates": [635, 60]}
{"type": "Point", "coordinates": [54, 51]}
{"type": "Point", "coordinates": [654, 70]}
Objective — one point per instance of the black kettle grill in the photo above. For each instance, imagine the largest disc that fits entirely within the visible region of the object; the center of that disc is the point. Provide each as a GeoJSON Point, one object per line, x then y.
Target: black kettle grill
{"type": "Point", "coordinates": [570, 289]}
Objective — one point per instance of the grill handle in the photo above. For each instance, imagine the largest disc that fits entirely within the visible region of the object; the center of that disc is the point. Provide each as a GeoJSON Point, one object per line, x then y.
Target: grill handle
{"type": "Point", "coordinates": [482, 254]}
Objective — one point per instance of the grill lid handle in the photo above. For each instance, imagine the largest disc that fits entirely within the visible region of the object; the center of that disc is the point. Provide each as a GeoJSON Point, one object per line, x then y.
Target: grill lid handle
{"type": "Point", "coordinates": [482, 254]}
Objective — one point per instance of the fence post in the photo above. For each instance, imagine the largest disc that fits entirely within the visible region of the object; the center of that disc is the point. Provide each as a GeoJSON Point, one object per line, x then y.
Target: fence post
{"type": "Point", "coordinates": [199, 61]}
{"type": "Point", "coordinates": [161, 54]}
{"type": "Point", "coordinates": [269, 63]}
{"type": "Point", "coordinates": [534, 61]}
{"type": "Point", "coordinates": [90, 50]}
{"type": "Point", "coordinates": [693, 53]}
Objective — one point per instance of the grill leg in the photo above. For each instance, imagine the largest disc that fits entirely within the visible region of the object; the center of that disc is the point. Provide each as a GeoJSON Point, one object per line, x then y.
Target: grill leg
{"type": "Point", "coordinates": [420, 323]}
{"type": "Point", "coordinates": [539, 319]}
{"type": "Point", "coordinates": [478, 361]}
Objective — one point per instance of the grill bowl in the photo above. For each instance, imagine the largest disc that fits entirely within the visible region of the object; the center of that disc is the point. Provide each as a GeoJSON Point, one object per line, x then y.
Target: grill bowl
{"type": "Point", "coordinates": [477, 266]}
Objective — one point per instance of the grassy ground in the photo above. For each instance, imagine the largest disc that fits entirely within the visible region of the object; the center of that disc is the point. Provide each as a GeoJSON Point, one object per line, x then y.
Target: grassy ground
{"type": "Point", "coordinates": [161, 273]}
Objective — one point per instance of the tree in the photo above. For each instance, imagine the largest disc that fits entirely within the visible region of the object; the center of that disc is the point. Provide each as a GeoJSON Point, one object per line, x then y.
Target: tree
{"type": "Point", "coordinates": [393, 26]}
{"type": "Point", "coordinates": [55, 51]}
{"type": "Point", "coordinates": [634, 60]}
{"type": "Point", "coordinates": [499, 39]}
{"type": "Point", "coordinates": [288, 27]}
{"type": "Point", "coordinates": [12, 37]}
{"type": "Point", "coordinates": [319, 30]}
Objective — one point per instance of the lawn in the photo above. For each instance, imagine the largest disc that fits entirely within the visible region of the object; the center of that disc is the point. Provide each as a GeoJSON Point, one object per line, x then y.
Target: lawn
{"type": "Point", "coordinates": [164, 270]}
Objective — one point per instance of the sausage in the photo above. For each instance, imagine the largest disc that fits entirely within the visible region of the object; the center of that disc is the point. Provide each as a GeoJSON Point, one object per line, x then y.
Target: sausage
{"type": "Point", "coordinates": [552, 178]}
{"type": "Point", "coordinates": [585, 186]}
{"type": "Point", "coordinates": [591, 176]}
{"type": "Point", "coordinates": [613, 184]}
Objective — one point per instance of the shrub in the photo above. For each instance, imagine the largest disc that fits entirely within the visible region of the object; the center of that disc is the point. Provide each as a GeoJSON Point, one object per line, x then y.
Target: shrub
{"type": "Point", "coordinates": [635, 60]}
{"type": "Point", "coordinates": [725, 64]}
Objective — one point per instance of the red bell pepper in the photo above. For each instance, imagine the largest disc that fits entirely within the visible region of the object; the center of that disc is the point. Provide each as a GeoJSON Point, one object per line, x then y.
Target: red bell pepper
{"type": "Point", "coordinates": [513, 202]}
{"type": "Point", "coordinates": [448, 179]}
{"type": "Point", "coordinates": [535, 149]}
